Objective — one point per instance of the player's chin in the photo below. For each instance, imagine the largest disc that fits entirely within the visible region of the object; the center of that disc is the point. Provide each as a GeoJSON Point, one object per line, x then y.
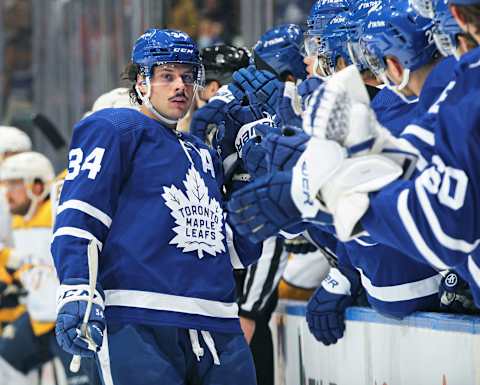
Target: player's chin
{"type": "Point", "coordinates": [178, 110]}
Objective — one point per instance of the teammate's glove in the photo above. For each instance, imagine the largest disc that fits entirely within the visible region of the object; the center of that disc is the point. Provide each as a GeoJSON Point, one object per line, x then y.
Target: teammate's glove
{"type": "Point", "coordinates": [289, 108]}
{"type": "Point", "coordinates": [265, 206]}
{"type": "Point", "coordinates": [71, 305]}
{"type": "Point", "coordinates": [235, 129]}
{"type": "Point", "coordinates": [285, 148]}
{"type": "Point", "coordinates": [262, 84]}
{"type": "Point", "coordinates": [273, 149]}
{"type": "Point", "coordinates": [455, 295]}
{"type": "Point", "coordinates": [206, 119]}
{"type": "Point", "coordinates": [236, 91]}
{"type": "Point", "coordinates": [299, 245]}
{"type": "Point", "coordinates": [326, 308]}
{"type": "Point", "coordinates": [307, 87]}
{"type": "Point", "coordinates": [253, 152]}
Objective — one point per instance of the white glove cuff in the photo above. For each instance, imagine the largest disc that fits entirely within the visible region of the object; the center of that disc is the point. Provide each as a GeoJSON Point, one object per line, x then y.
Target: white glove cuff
{"type": "Point", "coordinates": [71, 293]}
{"type": "Point", "coordinates": [336, 283]}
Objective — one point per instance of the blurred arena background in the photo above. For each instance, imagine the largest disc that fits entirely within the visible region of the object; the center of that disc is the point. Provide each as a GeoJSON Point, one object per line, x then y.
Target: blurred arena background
{"type": "Point", "coordinates": [58, 56]}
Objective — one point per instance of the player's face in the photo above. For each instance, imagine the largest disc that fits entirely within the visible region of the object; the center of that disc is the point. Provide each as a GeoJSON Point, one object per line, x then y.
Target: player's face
{"type": "Point", "coordinates": [17, 197]}
{"type": "Point", "coordinates": [172, 89]}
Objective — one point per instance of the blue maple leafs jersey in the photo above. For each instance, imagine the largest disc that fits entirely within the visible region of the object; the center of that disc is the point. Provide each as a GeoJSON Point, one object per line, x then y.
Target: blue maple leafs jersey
{"type": "Point", "coordinates": [151, 199]}
{"type": "Point", "coordinates": [391, 111]}
{"type": "Point", "coordinates": [434, 217]}
{"type": "Point", "coordinates": [419, 131]}
{"type": "Point", "coordinates": [395, 284]}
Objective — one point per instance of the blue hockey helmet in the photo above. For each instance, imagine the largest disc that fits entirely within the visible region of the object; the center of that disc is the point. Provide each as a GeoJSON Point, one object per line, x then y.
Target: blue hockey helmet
{"type": "Point", "coordinates": [446, 28]}
{"type": "Point", "coordinates": [358, 12]}
{"type": "Point", "coordinates": [396, 30]}
{"type": "Point", "coordinates": [321, 13]}
{"type": "Point", "coordinates": [279, 51]}
{"type": "Point", "coordinates": [161, 46]}
{"type": "Point", "coordinates": [333, 43]}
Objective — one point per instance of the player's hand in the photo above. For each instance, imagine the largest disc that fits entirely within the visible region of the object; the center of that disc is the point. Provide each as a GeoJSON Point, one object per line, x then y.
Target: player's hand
{"type": "Point", "coordinates": [248, 328]}
{"type": "Point", "coordinates": [299, 245]}
{"type": "Point", "coordinates": [307, 87]}
{"type": "Point", "coordinates": [207, 118]}
{"type": "Point", "coordinates": [265, 206]}
{"type": "Point", "coordinates": [326, 308]}
{"type": "Point", "coordinates": [263, 85]}
{"type": "Point", "coordinates": [236, 129]}
{"type": "Point", "coordinates": [72, 304]}
{"type": "Point", "coordinates": [455, 295]}
{"type": "Point", "coordinates": [284, 148]}
{"type": "Point", "coordinates": [252, 151]}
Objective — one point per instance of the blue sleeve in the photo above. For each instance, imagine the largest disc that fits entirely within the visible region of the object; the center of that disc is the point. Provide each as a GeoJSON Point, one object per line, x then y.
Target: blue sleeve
{"type": "Point", "coordinates": [434, 217]}
{"type": "Point", "coordinates": [99, 160]}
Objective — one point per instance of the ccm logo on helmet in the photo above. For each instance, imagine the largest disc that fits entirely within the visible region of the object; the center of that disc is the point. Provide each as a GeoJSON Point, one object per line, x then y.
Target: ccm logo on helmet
{"type": "Point", "coordinates": [183, 50]}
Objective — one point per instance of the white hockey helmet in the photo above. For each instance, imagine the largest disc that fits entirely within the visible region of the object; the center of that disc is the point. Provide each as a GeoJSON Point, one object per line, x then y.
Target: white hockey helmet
{"type": "Point", "coordinates": [13, 140]}
{"type": "Point", "coordinates": [28, 166]}
{"type": "Point", "coordinates": [116, 98]}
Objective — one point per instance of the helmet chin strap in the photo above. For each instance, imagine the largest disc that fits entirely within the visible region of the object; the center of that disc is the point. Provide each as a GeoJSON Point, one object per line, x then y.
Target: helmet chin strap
{"type": "Point", "coordinates": [35, 200]}
{"type": "Point", "coordinates": [147, 103]}
{"type": "Point", "coordinates": [397, 88]}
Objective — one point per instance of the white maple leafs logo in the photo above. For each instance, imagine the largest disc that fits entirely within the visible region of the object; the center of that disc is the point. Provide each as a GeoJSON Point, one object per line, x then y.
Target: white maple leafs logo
{"type": "Point", "coordinates": [198, 217]}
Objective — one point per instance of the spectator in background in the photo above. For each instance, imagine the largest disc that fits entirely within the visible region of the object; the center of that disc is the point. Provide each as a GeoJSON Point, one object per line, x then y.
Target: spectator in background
{"type": "Point", "coordinates": [184, 16]}
{"type": "Point", "coordinates": [210, 29]}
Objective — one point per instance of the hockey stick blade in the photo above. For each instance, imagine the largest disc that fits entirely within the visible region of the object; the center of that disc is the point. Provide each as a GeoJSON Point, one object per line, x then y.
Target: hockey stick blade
{"type": "Point", "coordinates": [49, 130]}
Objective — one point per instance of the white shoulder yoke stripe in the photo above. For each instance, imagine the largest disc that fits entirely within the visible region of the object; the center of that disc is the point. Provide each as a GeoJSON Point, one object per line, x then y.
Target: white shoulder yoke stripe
{"type": "Point", "coordinates": [78, 233]}
{"type": "Point", "coordinates": [87, 208]}
{"type": "Point", "coordinates": [421, 133]}
{"type": "Point", "coordinates": [412, 230]}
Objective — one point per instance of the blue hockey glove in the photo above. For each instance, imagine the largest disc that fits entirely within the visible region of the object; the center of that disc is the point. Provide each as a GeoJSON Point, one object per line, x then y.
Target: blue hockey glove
{"type": "Point", "coordinates": [235, 129]}
{"type": "Point", "coordinates": [307, 87]}
{"type": "Point", "coordinates": [299, 245]}
{"type": "Point", "coordinates": [326, 308]}
{"type": "Point", "coordinates": [236, 91]}
{"type": "Point", "coordinates": [289, 109]}
{"type": "Point", "coordinates": [72, 304]}
{"type": "Point", "coordinates": [265, 206]}
{"type": "Point", "coordinates": [262, 84]}
{"type": "Point", "coordinates": [283, 150]}
{"type": "Point", "coordinates": [253, 153]}
{"type": "Point", "coordinates": [208, 117]}
{"type": "Point", "coordinates": [455, 295]}
{"type": "Point", "coordinates": [254, 157]}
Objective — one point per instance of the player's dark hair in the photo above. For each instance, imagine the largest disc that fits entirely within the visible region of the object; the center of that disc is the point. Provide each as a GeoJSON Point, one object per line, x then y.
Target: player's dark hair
{"type": "Point", "coordinates": [130, 73]}
{"type": "Point", "coordinates": [471, 14]}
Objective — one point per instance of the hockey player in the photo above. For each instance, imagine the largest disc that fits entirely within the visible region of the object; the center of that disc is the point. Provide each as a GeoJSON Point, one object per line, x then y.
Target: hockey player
{"type": "Point", "coordinates": [29, 342]}
{"type": "Point", "coordinates": [164, 309]}
{"type": "Point", "coordinates": [321, 13]}
{"type": "Point", "coordinates": [12, 141]}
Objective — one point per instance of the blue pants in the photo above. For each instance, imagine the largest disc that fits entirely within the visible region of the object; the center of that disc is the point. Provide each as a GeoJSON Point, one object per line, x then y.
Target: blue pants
{"type": "Point", "coordinates": [147, 355]}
